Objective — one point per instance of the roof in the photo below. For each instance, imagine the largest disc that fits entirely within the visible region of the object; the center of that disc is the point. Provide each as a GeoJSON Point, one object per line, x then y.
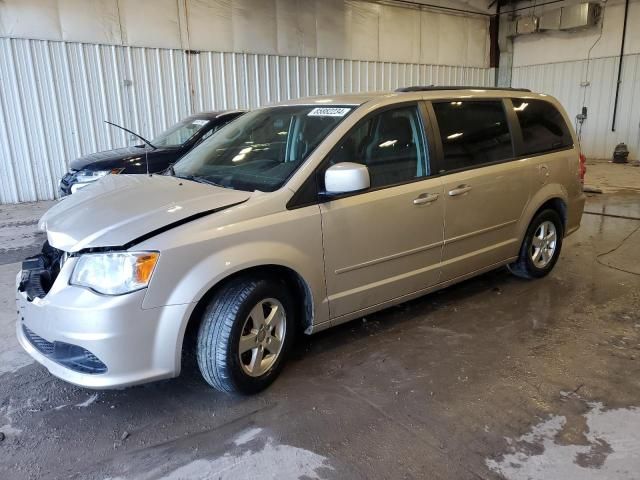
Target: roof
{"type": "Point", "coordinates": [433, 88]}
{"type": "Point", "coordinates": [338, 99]}
{"type": "Point", "coordinates": [411, 93]}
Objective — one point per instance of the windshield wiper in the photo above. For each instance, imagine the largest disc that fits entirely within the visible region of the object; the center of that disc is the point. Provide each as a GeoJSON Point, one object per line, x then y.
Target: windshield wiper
{"type": "Point", "coordinates": [199, 179]}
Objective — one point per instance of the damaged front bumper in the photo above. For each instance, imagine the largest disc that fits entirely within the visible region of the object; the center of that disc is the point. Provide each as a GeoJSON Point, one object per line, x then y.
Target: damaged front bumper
{"type": "Point", "coordinates": [96, 341]}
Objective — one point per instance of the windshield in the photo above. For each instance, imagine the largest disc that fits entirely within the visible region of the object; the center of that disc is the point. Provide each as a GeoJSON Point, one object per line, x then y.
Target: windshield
{"type": "Point", "coordinates": [261, 149]}
{"type": "Point", "coordinates": [180, 132]}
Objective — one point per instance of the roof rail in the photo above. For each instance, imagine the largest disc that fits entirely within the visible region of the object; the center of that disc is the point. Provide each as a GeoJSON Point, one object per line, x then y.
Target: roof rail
{"type": "Point", "coordinates": [432, 88]}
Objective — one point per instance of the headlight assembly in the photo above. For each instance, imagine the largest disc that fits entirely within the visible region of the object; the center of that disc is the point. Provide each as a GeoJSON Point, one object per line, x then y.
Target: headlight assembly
{"type": "Point", "coordinates": [84, 176]}
{"type": "Point", "coordinates": [114, 273]}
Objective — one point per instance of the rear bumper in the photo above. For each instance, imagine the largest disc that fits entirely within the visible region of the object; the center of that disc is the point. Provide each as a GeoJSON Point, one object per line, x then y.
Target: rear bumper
{"type": "Point", "coordinates": [135, 345]}
{"type": "Point", "coordinates": [574, 213]}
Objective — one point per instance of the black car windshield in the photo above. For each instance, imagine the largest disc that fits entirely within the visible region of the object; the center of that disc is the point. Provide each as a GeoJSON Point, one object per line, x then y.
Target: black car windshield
{"type": "Point", "coordinates": [180, 132]}
{"type": "Point", "coordinates": [261, 149]}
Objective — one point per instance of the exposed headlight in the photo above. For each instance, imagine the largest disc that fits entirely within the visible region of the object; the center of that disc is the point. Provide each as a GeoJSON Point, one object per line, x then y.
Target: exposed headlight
{"type": "Point", "coordinates": [84, 177]}
{"type": "Point", "coordinates": [114, 273]}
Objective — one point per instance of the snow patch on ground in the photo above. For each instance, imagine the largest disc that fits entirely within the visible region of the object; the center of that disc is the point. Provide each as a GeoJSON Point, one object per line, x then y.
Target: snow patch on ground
{"type": "Point", "coordinates": [8, 429]}
{"type": "Point", "coordinates": [247, 436]}
{"type": "Point", "coordinates": [612, 452]}
{"type": "Point", "coordinates": [88, 401]}
{"type": "Point", "coordinates": [267, 460]}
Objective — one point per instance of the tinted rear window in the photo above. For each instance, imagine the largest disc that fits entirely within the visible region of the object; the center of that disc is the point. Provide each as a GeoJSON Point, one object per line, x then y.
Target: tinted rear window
{"type": "Point", "coordinates": [543, 127]}
{"type": "Point", "coordinates": [473, 133]}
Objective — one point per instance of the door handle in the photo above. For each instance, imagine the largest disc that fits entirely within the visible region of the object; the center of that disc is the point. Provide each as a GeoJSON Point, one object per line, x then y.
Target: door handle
{"type": "Point", "coordinates": [424, 198]}
{"type": "Point", "coordinates": [459, 190]}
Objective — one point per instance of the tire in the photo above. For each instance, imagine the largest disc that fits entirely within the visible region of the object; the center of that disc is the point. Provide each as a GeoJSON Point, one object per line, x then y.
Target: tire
{"type": "Point", "coordinates": [236, 311]}
{"type": "Point", "coordinates": [526, 266]}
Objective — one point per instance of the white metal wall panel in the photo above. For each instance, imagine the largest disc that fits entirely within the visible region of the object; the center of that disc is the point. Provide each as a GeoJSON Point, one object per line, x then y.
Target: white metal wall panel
{"type": "Point", "coordinates": [350, 29]}
{"type": "Point", "coordinates": [562, 80]}
{"type": "Point", "coordinates": [400, 34]}
{"type": "Point", "coordinates": [296, 25]}
{"type": "Point", "coordinates": [254, 26]}
{"type": "Point", "coordinates": [55, 96]}
{"type": "Point", "coordinates": [150, 23]}
{"type": "Point", "coordinates": [209, 25]}
{"type": "Point", "coordinates": [92, 21]}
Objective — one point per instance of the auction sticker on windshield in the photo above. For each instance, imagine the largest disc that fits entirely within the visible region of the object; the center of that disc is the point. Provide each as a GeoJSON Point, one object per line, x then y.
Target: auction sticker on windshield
{"type": "Point", "coordinates": [328, 112]}
{"type": "Point", "coordinates": [200, 122]}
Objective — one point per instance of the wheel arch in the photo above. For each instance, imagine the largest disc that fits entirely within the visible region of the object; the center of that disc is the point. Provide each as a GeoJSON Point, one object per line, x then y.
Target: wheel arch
{"type": "Point", "coordinates": [299, 288]}
{"type": "Point", "coordinates": [557, 204]}
{"type": "Point", "coordinates": [552, 196]}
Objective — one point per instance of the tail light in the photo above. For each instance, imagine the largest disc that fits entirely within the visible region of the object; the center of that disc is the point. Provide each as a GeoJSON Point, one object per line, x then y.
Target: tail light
{"type": "Point", "coordinates": [583, 167]}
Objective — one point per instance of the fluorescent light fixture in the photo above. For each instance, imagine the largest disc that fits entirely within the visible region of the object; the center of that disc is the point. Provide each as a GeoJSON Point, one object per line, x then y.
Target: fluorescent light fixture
{"type": "Point", "coordinates": [454, 135]}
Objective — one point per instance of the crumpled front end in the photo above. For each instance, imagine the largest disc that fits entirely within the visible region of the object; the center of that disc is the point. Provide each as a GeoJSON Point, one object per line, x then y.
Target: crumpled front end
{"type": "Point", "coordinates": [67, 180]}
{"type": "Point", "coordinates": [88, 339]}
{"type": "Point", "coordinates": [39, 272]}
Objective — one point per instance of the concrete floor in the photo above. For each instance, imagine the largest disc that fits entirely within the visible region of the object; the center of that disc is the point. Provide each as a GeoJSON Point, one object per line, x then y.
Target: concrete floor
{"type": "Point", "coordinates": [493, 378]}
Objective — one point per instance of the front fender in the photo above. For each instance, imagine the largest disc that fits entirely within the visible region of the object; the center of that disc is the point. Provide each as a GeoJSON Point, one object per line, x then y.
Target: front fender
{"type": "Point", "coordinates": [196, 257]}
{"type": "Point", "coordinates": [211, 270]}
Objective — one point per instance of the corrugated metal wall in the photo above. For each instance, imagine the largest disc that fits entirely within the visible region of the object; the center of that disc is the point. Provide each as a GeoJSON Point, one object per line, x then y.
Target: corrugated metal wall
{"type": "Point", "coordinates": [563, 80]}
{"type": "Point", "coordinates": [54, 96]}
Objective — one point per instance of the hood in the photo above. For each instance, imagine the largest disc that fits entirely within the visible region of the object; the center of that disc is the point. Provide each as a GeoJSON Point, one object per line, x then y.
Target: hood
{"type": "Point", "coordinates": [121, 208]}
{"type": "Point", "coordinates": [113, 158]}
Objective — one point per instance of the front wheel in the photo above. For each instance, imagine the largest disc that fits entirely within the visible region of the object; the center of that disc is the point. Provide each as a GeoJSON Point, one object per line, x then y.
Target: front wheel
{"type": "Point", "coordinates": [541, 246]}
{"type": "Point", "coordinates": [245, 334]}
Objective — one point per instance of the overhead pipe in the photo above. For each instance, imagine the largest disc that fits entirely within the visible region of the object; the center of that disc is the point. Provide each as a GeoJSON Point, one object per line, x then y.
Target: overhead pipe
{"type": "Point", "coordinates": [536, 5]}
{"type": "Point", "coordinates": [624, 34]}
{"type": "Point", "coordinates": [420, 6]}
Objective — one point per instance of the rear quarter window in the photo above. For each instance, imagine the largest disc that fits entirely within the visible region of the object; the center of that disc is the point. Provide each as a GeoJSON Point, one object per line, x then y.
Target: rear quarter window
{"type": "Point", "coordinates": [473, 133]}
{"type": "Point", "coordinates": [543, 126]}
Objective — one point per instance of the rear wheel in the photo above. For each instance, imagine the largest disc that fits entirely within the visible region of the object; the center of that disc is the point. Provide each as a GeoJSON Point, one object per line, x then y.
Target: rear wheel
{"type": "Point", "coordinates": [541, 246]}
{"type": "Point", "coordinates": [245, 334]}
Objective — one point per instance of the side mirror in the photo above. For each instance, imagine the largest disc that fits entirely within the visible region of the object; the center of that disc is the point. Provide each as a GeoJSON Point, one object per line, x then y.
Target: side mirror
{"type": "Point", "coordinates": [346, 177]}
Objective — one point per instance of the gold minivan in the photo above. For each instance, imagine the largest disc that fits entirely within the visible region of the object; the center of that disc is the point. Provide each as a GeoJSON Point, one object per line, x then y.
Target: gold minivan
{"type": "Point", "coordinates": [295, 218]}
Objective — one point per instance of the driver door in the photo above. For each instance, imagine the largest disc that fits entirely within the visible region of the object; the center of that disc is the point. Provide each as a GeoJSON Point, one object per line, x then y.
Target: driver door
{"type": "Point", "coordinates": [386, 242]}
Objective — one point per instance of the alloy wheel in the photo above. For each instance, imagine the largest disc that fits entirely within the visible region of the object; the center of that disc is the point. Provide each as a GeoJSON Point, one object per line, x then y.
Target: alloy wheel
{"type": "Point", "coordinates": [543, 244]}
{"type": "Point", "coordinates": [262, 337]}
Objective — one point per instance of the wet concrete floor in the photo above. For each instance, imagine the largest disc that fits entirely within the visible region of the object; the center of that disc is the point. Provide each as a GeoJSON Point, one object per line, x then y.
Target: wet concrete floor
{"type": "Point", "coordinates": [492, 378]}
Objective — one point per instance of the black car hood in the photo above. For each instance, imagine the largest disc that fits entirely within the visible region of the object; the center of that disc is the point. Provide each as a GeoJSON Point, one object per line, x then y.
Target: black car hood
{"type": "Point", "coordinates": [115, 158]}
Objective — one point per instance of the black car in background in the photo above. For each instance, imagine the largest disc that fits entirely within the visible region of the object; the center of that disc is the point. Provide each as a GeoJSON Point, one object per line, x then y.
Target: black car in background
{"type": "Point", "coordinates": [167, 149]}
